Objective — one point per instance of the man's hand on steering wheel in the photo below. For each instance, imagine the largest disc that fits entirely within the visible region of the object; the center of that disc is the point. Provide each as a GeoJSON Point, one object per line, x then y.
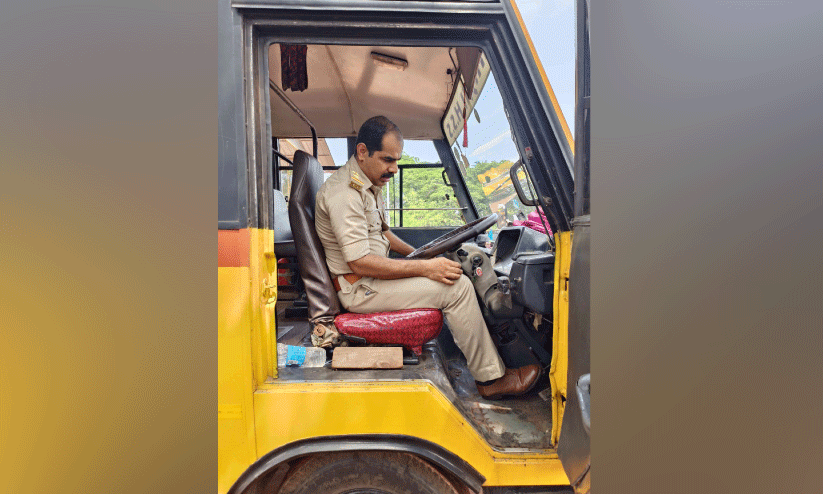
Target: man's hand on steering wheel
{"type": "Point", "coordinates": [443, 270]}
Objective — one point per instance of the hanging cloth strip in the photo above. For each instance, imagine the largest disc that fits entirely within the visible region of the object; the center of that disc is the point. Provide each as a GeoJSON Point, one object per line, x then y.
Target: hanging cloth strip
{"type": "Point", "coordinates": [293, 70]}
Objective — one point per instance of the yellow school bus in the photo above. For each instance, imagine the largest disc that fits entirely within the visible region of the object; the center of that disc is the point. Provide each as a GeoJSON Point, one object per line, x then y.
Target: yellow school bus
{"type": "Point", "coordinates": [485, 143]}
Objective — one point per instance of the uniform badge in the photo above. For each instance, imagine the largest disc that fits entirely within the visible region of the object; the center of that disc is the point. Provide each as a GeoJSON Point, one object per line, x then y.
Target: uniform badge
{"type": "Point", "coordinates": [355, 183]}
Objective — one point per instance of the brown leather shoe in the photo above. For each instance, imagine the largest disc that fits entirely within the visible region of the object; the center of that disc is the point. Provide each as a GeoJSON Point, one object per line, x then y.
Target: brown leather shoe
{"type": "Point", "coordinates": [514, 382]}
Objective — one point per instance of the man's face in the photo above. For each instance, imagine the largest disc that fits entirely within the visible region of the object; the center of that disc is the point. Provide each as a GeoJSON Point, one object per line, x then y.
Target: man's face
{"type": "Point", "coordinates": [381, 166]}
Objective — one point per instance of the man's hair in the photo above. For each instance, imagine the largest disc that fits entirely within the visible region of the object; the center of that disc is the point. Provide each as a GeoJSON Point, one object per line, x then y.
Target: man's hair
{"type": "Point", "coordinates": [372, 132]}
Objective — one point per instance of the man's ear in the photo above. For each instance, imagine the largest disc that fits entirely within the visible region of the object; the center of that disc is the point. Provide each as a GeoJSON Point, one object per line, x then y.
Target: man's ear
{"type": "Point", "coordinates": [361, 151]}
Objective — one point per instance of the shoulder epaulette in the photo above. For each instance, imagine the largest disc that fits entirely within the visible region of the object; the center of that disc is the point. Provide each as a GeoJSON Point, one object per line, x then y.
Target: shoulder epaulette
{"type": "Point", "coordinates": [356, 183]}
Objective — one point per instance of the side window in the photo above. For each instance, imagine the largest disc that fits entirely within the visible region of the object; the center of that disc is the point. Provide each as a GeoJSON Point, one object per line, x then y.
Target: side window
{"type": "Point", "coordinates": [488, 156]}
{"type": "Point", "coordinates": [331, 152]}
{"type": "Point", "coordinates": [417, 195]}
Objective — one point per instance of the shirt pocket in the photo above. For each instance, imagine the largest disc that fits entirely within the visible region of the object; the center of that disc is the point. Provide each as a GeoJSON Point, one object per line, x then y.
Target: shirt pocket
{"type": "Point", "coordinates": [373, 217]}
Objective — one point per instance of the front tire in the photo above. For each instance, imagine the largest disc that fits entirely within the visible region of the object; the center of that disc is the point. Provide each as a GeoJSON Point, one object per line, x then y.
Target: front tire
{"type": "Point", "coordinates": [365, 472]}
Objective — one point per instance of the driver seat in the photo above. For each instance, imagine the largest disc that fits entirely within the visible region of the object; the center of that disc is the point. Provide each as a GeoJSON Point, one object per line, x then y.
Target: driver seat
{"type": "Point", "coordinates": [410, 328]}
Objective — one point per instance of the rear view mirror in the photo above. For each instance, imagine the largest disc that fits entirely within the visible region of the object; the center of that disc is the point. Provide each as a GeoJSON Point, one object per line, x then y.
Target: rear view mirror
{"type": "Point", "coordinates": [522, 186]}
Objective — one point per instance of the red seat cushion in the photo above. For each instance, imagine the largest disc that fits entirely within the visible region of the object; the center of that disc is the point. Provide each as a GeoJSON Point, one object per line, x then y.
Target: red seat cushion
{"type": "Point", "coordinates": [409, 327]}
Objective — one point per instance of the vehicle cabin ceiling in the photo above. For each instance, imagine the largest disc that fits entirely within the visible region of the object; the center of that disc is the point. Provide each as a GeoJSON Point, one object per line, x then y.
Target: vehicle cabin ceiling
{"type": "Point", "coordinates": [346, 86]}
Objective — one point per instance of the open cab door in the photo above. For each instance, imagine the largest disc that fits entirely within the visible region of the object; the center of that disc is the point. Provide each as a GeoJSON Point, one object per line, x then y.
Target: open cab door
{"type": "Point", "coordinates": [574, 447]}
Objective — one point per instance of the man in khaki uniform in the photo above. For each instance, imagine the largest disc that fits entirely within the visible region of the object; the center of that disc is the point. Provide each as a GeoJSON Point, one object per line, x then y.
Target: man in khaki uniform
{"type": "Point", "coordinates": [350, 221]}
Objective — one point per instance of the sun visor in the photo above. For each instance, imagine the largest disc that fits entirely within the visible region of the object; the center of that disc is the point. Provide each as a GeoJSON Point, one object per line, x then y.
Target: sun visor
{"type": "Point", "coordinates": [453, 119]}
{"type": "Point", "coordinates": [467, 58]}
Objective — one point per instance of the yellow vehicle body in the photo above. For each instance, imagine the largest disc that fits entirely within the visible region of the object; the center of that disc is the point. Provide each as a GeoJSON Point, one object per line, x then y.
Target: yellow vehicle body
{"type": "Point", "coordinates": [257, 414]}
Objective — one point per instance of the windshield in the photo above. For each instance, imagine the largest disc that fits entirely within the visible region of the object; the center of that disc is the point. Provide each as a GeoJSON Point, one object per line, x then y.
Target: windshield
{"type": "Point", "coordinates": [487, 156]}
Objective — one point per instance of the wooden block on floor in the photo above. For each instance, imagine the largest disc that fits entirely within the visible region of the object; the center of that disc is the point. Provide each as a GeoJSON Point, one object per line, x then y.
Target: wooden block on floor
{"type": "Point", "coordinates": [350, 357]}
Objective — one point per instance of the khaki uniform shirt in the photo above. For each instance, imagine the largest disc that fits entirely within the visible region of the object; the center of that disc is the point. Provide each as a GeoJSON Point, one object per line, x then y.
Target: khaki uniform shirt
{"type": "Point", "coordinates": [350, 218]}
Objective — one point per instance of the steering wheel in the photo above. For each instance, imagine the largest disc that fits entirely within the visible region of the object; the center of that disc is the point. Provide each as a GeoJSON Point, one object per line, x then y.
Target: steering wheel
{"type": "Point", "coordinates": [454, 238]}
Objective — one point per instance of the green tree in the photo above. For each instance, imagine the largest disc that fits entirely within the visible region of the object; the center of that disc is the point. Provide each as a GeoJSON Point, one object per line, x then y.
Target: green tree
{"type": "Point", "coordinates": [422, 188]}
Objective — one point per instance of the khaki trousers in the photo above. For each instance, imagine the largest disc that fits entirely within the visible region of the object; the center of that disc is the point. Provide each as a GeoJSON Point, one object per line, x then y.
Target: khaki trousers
{"type": "Point", "coordinates": [458, 303]}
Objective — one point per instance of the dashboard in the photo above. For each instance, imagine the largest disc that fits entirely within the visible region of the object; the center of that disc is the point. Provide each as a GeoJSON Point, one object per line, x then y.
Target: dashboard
{"type": "Point", "coordinates": [524, 265]}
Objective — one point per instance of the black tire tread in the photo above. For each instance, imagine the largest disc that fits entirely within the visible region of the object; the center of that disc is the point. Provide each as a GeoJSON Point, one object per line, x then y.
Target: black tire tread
{"type": "Point", "coordinates": [388, 471]}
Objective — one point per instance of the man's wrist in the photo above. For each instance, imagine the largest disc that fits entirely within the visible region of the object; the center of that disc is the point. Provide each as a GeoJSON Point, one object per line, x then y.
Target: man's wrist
{"type": "Point", "coordinates": [422, 266]}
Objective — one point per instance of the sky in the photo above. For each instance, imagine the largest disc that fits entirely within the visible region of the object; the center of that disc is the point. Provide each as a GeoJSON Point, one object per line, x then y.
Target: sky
{"type": "Point", "coordinates": [551, 25]}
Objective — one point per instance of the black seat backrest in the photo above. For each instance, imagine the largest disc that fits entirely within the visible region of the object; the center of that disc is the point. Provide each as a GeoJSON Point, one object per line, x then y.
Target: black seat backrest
{"type": "Point", "coordinates": [307, 178]}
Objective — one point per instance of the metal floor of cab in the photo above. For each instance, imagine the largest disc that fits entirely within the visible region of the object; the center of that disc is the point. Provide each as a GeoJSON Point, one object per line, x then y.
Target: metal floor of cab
{"type": "Point", "coordinates": [521, 423]}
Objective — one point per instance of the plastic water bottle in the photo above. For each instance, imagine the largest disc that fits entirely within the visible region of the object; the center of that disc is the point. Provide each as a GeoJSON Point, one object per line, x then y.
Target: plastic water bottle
{"type": "Point", "coordinates": [300, 356]}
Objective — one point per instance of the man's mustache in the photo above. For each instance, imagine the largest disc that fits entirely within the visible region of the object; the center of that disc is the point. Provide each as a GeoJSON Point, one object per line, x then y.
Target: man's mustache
{"type": "Point", "coordinates": [387, 175]}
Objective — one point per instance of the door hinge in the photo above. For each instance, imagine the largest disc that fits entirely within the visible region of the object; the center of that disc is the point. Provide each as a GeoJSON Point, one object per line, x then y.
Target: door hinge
{"type": "Point", "coordinates": [269, 291]}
